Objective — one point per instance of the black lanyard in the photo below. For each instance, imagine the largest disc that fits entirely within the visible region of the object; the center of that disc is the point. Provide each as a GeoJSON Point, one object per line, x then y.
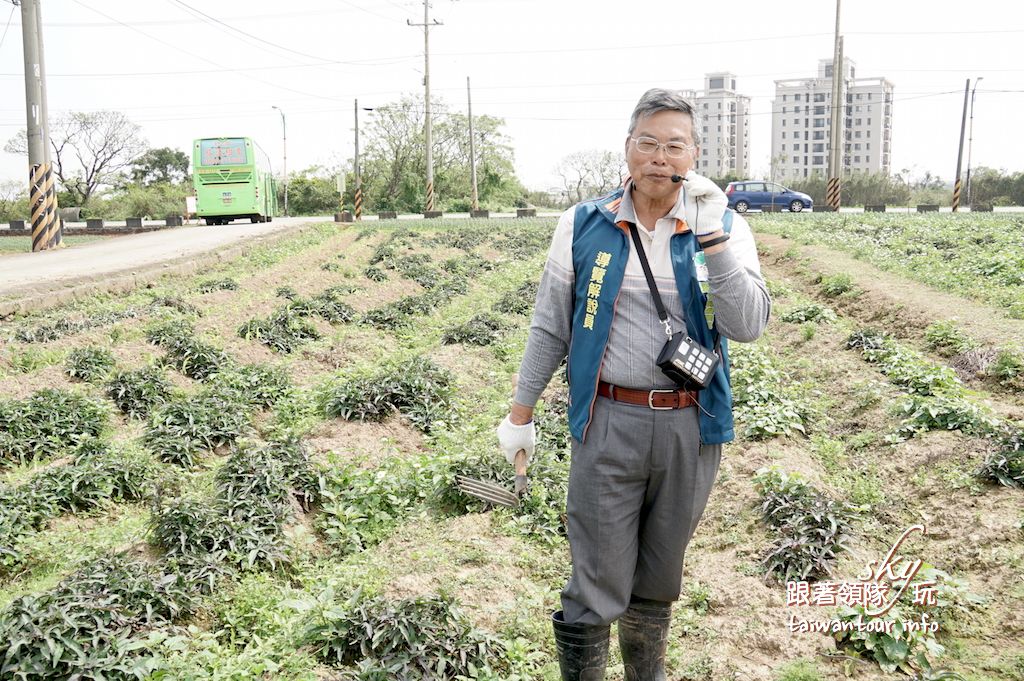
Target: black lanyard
{"type": "Point", "coordinates": [662, 312]}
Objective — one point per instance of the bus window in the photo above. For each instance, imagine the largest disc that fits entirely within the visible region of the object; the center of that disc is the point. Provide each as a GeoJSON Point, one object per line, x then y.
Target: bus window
{"type": "Point", "coordinates": [226, 152]}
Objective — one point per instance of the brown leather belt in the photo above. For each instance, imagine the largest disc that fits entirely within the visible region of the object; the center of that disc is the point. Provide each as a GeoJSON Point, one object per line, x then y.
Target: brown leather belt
{"type": "Point", "coordinates": [655, 399]}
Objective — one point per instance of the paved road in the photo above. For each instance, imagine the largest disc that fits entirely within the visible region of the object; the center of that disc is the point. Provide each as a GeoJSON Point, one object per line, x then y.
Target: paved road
{"type": "Point", "coordinates": [27, 274]}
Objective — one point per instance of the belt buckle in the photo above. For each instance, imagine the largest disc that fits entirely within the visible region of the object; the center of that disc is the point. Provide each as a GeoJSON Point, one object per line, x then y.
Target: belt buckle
{"type": "Point", "coordinates": [650, 399]}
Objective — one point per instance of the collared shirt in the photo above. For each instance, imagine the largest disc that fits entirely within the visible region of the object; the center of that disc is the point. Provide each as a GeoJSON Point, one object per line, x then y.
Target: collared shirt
{"type": "Point", "coordinates": [742, 304]}
{"type": "Point", "coordinates": [637, 334]}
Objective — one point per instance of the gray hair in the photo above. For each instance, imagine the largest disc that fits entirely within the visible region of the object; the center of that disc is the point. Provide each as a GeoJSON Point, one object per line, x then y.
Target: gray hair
{"type": "Point", "coordinates": [660, 99]}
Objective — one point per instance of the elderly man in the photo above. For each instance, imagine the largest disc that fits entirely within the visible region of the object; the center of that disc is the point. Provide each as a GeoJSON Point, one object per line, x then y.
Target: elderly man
{"type": "Point", "coordinates": [647, 440]}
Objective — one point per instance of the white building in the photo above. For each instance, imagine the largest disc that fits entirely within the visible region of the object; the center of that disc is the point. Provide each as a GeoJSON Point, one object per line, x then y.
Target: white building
{"type": "Point", "coordinates": [802, 123]}
{"type": "Point", "coordinates": [725, 134]}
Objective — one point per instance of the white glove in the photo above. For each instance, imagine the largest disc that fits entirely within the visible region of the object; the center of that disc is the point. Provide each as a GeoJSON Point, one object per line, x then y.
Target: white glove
{"type": "Point", "coordinates": [711, 203]}
{"type": "Point", "coordinates": [512, 438]}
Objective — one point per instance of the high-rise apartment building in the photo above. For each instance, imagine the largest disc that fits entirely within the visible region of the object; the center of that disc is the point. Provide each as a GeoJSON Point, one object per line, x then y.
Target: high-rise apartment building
{"type": "Point", "coordinates": [802, 123]}
{"type": "Point", "coordinates": [725, 128]}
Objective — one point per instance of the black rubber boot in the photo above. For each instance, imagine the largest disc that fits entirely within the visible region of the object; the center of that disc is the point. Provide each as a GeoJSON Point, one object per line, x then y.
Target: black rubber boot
{"type": "Point", "coordinates": [582, 649]}
{"type": "Point", "coordinates": [643, 639]}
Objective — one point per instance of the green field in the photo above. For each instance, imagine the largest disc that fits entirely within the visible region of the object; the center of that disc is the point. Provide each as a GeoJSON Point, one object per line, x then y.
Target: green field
{"type": "Point", "coordinates": [23, 244]}
{"type": "Point", "coordinates": [250, 473]}
{"type": "Point", "coordinates": [975, 256]}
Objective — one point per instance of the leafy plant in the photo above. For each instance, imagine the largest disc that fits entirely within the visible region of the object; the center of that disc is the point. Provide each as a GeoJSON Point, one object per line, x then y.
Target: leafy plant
{"type": "Point", "coordinates": [89, 364]}
{"type": "Point", "coordinates": [778, 289]}
{"type": "Point", "coordinates": [185, 351]}
{"type": "Point", "coordinates": [909, 369]}
{"type": "Point", "coordinates": [257, 384]}
{"type": "Point", "coordinates": [518, 301]}
{"type": "Point", "coordinates": [1008, 368]}
{"type": "Point", "coordinates": [810, 312]}
{"type": "Point", "coordinates": [286, 292]}
{"type": "Point", "coordinates": [68, 326]}
{"type": "Point", "coordinates": [905, 367]}
{"type": "Point", "coordinates": [210, 285]}
{"type": "Point", "coordinates": [242, 526]}
{"type": "Point", "coordinates": [375, 274]}
{"type": "Point", "coordinates": [898, 647]}
{"type": "Point", "coordinates": [95, 476]}
{"type": "Point", "coordinates": [386, 318]}
{"type": "Point", "coordinates": [398, 314]}
{"type": "Point", "coordinates": [866, 339]}
{"type": "Point", "coordinates": [924, 413]}
{"type": "Point", "coordinates": [927, 249]}
{"type": "Point", "coordinates": [765, 402]}
{"type": "Point", "coordinates": [182, 427]}
{"type": "Point", "coordinates": [541, 512]}
{"type": "Point", "coordinates": [812, 527]}
{"type": "Point", "coordinates": [284, 331]}
{"type": "Point", "coordinates": [416, 387]}
{"type": "Point", "coordinates": [947, 339]}
{"type": "Point", "coordinates": [329, 306]}
{"type": "Point", "coordinates": [836, 284]}
{"type": "Point", "coordinates": [304, 478]}
{"type": "Point", "coordinates": [481, 329]}
{"type": "Point", "coordinates": [419, 639]}
{"type": "Point", "coordinates": [467, 266]}
{"type": "Point", "coordinates": [361, 507]}
{"type": "Point", "coordinates": [48, 423]}
{"type": "Point", "coordinates": [94, 624]}
{"type": "Point", "coordinates": [1006, 464]}
{"type": "Point", "coordinates": [138, 392]}
{"type": "Point", "coordinates": [176, 303]}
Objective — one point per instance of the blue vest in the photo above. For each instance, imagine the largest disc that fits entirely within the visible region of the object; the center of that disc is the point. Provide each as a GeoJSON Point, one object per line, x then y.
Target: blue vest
{"type": "Point", "coordinates": [600, 249]}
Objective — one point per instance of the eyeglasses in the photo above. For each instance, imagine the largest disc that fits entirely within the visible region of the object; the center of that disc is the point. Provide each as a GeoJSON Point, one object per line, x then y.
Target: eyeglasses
{"type": "Point", "coordinates": [649, 145]}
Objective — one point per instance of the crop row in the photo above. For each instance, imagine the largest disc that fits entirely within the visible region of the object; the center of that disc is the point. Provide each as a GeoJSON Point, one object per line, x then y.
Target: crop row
{"type": "Point", "coordinates": [977, 257]}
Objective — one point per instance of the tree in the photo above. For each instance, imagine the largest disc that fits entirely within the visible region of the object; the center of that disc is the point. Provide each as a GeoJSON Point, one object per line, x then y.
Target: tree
{"type": "Point", "coordinates": [90, 150]}
{"type": "Point", "coordinates": [13, 200]}
{"type": "Point", "coordinates": [859, 188]}
{"type": "Point", "coordinates": [591, 173]}
{"type": "Point", "coordinates": [997, 187]}
{"type": "Point", "coordinates": [313, 191]}
{"type": "Point", "coordinates": [394, 161]}
{"type": "Point", "coordinates": [160, 165]}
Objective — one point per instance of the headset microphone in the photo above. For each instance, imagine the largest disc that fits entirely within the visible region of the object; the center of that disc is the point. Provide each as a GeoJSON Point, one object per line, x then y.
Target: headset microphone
{"type": "Point", "coordinates": [677, 178]}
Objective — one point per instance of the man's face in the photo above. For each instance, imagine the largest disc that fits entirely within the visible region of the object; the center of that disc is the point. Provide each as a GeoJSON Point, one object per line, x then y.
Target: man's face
{"type": "Point", "coordinates": [652, 172]}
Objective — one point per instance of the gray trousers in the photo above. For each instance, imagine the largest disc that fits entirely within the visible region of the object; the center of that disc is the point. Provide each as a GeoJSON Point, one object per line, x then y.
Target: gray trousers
{"type": "Point", "coordinates": [637, 490]}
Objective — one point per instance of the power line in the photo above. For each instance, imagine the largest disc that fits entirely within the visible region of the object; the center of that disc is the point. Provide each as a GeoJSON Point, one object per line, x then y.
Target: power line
{"type": "Point", "coordinates": [418, 110]}
{"type": "Point", "coordinates": [181, 22]}
{"type": "Point", "coordinates": [201, 58]}
{"type": "Point", "coordinates": [226, 69]}
{"type": "Point", "coordinates": [259, 41]}
{"type": "Point", "coordinates": [363, 9]}
{"type": "Point", "coordinates": [396, 5]}
{"type": "Point", "coordinates": [956, 33]}
{"type": "Point", "coordinates": [8, 27]}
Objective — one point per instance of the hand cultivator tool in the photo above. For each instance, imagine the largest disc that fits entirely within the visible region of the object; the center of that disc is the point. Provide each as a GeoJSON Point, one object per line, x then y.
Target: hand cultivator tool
{"type": "Point", "coordinates": [494, 493]}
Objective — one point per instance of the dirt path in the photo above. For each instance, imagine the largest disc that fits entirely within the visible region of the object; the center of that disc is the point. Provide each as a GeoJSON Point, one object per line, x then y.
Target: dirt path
{"type": "Point", "coordinates": [35, 280]}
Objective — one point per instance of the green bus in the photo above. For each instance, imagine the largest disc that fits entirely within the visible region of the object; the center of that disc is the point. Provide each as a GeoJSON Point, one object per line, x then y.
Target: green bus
{"type": "Point", "coordinates": [232, 180]}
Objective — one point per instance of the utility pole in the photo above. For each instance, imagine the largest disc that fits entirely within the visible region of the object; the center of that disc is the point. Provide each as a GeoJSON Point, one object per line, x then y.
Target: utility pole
{"type": "Point", "coordinates": [960, 150]}
{"type": "Point", "coordinates": [970, 141]}
{"type": "Point", "coordinates": [427, 130]}
{"type": "Point", "coordinates": [357, 199]}
{"type": "Point", "coordinates": [284, 136]}
{"type": "Point", "coordinates": [46, 227]}
{"type": "Point", "coordinates": [833, 190]}
{"type": "Point", "coordinates": [472, 148]}
{"type": "Point", "coordinates": [58, 223]}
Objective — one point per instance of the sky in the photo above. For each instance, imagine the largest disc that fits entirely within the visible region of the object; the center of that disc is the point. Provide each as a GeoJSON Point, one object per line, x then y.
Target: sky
{"type": "Point", "coordinates": [563, 74]}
